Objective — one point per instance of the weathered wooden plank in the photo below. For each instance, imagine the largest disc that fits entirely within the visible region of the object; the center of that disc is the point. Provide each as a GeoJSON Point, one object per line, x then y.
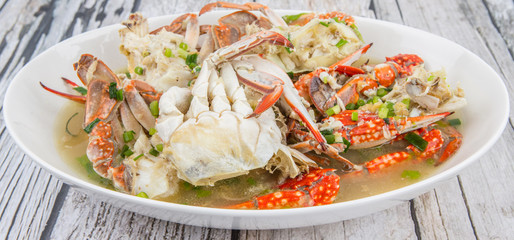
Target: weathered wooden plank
{"type": "Point", "coordinates": [502, 13]}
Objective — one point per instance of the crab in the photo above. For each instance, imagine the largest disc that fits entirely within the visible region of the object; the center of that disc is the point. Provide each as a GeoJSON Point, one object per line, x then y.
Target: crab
{"type": "Point", "coordinates": [218, 135]}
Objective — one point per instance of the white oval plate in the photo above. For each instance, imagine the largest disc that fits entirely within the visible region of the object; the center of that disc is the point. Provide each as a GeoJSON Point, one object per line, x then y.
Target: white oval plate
{"type": "Point", "coordinates": [30, 114]}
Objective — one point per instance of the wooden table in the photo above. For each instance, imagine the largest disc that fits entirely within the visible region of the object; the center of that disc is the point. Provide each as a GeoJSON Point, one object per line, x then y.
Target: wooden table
{"type": "Point", "coordinates": [479, 203]}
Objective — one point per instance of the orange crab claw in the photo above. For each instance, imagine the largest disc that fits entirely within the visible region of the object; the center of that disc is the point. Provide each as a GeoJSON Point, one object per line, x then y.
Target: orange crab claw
{"type": "Point", "coordinates": [76, 98]}
{"type": "Point", "coordinates": [177, 25]}
{"type": "Point", "coordinates": [407, 62]}
{"type": "Point", "coordinates": [321, 188]}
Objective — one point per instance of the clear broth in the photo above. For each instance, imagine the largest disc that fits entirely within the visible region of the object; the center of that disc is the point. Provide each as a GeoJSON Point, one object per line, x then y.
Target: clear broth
{"type": "Point", "coordinates": [257, 182]}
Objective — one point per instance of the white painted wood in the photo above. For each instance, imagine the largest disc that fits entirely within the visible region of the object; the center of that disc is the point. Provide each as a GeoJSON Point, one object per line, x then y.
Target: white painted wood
{"type": "Point", "coordinates": [477, 204]}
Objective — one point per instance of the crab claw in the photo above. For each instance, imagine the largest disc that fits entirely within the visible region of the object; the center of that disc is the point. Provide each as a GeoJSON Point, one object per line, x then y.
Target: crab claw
{"type": "Point", "coordinates": [321, 187]}
{"type": "Point", "coordinates": [378, 131]}
{"type": "Point", "coordinates": [407, 62]}
{"type": "Point", "coordinates": [76, 98]}
{"type": "Point", "coordinates": [274, 18]}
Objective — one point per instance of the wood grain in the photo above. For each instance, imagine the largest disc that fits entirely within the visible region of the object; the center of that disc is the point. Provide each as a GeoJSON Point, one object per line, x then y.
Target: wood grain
{"type": "Point", "coordinates": [477, 204]}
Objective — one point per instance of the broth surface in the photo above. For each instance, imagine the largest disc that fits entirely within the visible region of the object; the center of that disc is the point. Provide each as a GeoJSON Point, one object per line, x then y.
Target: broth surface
{"type": "Point", "coordinates": [257, 182]}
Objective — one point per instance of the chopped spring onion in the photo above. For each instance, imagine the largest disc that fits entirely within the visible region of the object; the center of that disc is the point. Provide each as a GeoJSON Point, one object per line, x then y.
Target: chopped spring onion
{"type": "Point", "coordinates": [152, 131]}
{"type": "Point", "coordinates": [333, 110]}
{"type": "Point", "coordinates": [361, 103]}
{"type": "Point", "coordinates": [188, 186]}
{"type": "Point", "coordinates": [138, 157]}
{"type": "Point", "coordinates": [382, 92]}
{"type": "Point", "coordinates": [325, 23]}
{"type": "Point", "coordinates": [347, 143]}
{"type": "Point", "coordinates": [375, 99]}
{"type": "Point", "coordinates": [431, 78]}
{"type": "Point", "coordinates": [417, 141]}
{"type": "Point", "coordinates": [288, 49]}
{"type": "Point", "coordinates": [351, 106]}
{"type": "Point", "coordinates": [113, 90]}
{"type": "Point", "coordinates": [330, 138]}
{"type": "Point", "coordinates": [197, 69]}
{"type": "Point", "coordinates": [183, 46]}
{"type": "Point", "coordinates": [81, 90]}
{"type": "Point", "coordinates": [430, 161]}
{"type": "Point", "coordinates": [142, 195]}
{"type": "Point", "coordinates": [390, 106]}
{"type": "Point", "coordinates": [203, 193]}
{"type": "Point", "coordinates": [341, 43]}
{"type": "Point", "coordinates": [327, 132]}
{"type": "Point", "coordinates": [251, 181]}
{"type": "Point", "coordinates": [128, 136]}
{"type": "Point", "coordinates": [119, 95]}
{"type": "Point", "coordinates": [291, 18]}
{"type": "Point", "coordinates": [290, 74]}
{"type": "Point", "coordinates": [454, 122]}
{"type": "Point", "coordinates": [168, 53]}
{"type": "Point", "coordinates": [191, 60]}
{"type": "Point", "coordinates": [125, 151]}
{"type": "Point", "coordinates": [383, 112]}
{"type": "Point", "coordinates": [190, 82]}
{"type": "Point", "coordinates": [411, 174]}
{"type": "Point", "coordinates": [91, 125]}
{"type": "Point", "coordinates": [355, 116]}
{"type": "Point", "coordinates": [336, 19]}
{"type": "Point", "coordinates": [406, 101]}
{"type": "Point", "coordinates": [154, 152]}
{"type": "Point", "coordinates": [139, 70]}
{"type": "Point", "coordinates": [356, 31]}
{"type": "Point", "coordinates": [182, 53]}
{"type": "Point", "coordinates": [68, 123]}
{"type": "Point", "coordinates": [154, 108]}
{"type": "Point", "coordinates": [146, 53]}
{"type": "Point", "coordinates": [128, 75]}
{"type": "Point", "coordinates": [159, 147]}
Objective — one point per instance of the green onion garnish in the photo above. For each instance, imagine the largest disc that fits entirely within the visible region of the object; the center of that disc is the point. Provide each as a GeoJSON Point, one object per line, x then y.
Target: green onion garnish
{"type": "Point", "coordinates": [375, 99]}
{"type": "Point", "coordinates": [138, 157]}
{"type": "Point", "coordinates": [142, 195]}
{"type": "Point", "coordinates": [383, 111]}
{"type": "Point", "coordinates": [154, 108]}
{"type": "Point", "coordinates": [183, 46]}
{"type": "Point", "coordinates": [81, 90]}
{"type": "Point", "coordinates": [327, 132]}
{"type": "Point", "coordinates": [417, 141]}
{"type": "Point", "coordinates": [411, 174]}
{"type": "Point", "coordinates": [112, 90]}
{"type": "Point", "coordinates": [291, 18]}
{"type": "Point", "coordinates": [159, 147]}
{"type": "Point", "coordinates": [127, 153]}
{"type": "Point", "coordinates": [406, 101]}
{"type": "Point", "coordinates": [146, 53]}
{"type": "Point", "coordinates": [251, 181]}
{"type": "Point", "coordinates": [139, 70]}
{"type": "Point", "coordinates": [333, 110]}
{"type": "Point", "coordinates": [197, 69]}
{"type": "Point", "coordinates": [182, 53]}
{"type": "Point", "coordinates": [154, 152]}
{"type": "Point", "coordinates": [431, 78]}
{"type": "Point", "coordinates": [330, 138]}
{"type": "Point", "coordinates": [361, 103]}
{"type": "Point", "coordinates": [355, 116]}
{"type": "Point", "coordinates": [152, 131]}
{"type": "Point", "coordinates": [68, 123]}
{"type": "Point", "coordinates": [356, 31]}
{"type": "Point", "coordinates": [91, 125]}
{"type": "Point", "coordinates": [382, 92]}
{"type": "Point", "coordinates": [128, 75]}
{"type": "Point", "coordinates": [190, 82]}
{"type": "Point", "coordinates": [290, 74]}
{"type": "Point", "coordinates": [119, 95]}
{"type": "Point", "coordinates": [341, 43]}
{"type": "Point", "coordinates": [191, 60]}
{"type": "Point", "coordinates": [347, 143]}
{"type": "Point", "coordinates": [337, 20]}
{"type": "Point", "coordinates": [128, 136]}
{"type": "Point", "coordinates": [168, 53]}
{"type": "Point", "coordinates": [454, 122]}
{"type": "Point", "coordinates": [351, 106]}
{"type": "Point", "coordinates": [325, 23]}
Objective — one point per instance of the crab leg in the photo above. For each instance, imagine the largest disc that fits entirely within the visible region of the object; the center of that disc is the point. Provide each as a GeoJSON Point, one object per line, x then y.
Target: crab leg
{"type": "Point", "coordinates": [317, 187]}
{"type": "Point", "coordinates": [274, 18]}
